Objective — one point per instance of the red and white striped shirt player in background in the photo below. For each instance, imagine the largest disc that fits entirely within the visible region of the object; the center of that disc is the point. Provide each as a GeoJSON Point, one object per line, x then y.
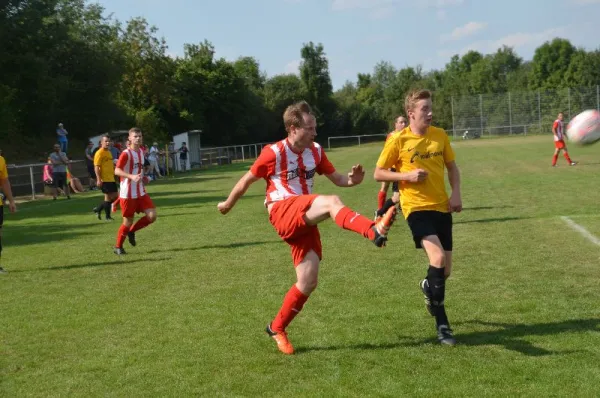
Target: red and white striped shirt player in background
{"type": "Point", "coordinates": [133, 196]}
{"type": "Point", "coordinates": [559, 141]}
{"type": "Point", "coordinates": [289, 167]}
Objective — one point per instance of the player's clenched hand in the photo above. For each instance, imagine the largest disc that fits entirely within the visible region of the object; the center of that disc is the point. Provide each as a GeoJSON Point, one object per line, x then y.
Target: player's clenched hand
{"type": "Point", "coordinates": [417, 175]}
{"type": "Point", "coordinates": [136, 177]}
{"type": "Point", "coordinates": [223, 207]}
{"type": "Point", "coordinates": [455, 203]}
{"type": "Point", "coordinates": [12, 207]}
{"type": "Point", "coordinates": [356, 175]}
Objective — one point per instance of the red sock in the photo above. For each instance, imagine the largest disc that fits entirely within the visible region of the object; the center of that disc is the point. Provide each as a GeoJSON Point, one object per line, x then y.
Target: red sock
{"type": "Point", "coordinates": [554, 159]}
{"type": "Point", "coordinates": [292, 304]}
{"type": "Point", "coordinates": [380, 199]}
{"type": "Point", "coordinates": [566, 155]}
{"type": "Point", "coordinates": [351, 220]}
{"type": "Point", "coordinates": [141, 223]}
{"type": "Point", "coordinates": [121, 235]}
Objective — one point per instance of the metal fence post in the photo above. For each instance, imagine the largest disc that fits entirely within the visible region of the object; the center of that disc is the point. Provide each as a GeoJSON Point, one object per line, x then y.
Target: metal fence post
{"type": "Point", "coordinates": [509, 114]}
{"type": "Point", "coordinates": [539, 111]}
{"type": "Point", "coordinates": [359, 140]}
{"type": "Point", "coordinates": [481, 114]}
{"type": "Point", "coordinates": [452, 108]}
{"type": "Point", "coordinates": [32, 182]}
{"type": "Point", "coordinates": [569, 100]}
{"type": "Point", "coordinates": [598, 97]}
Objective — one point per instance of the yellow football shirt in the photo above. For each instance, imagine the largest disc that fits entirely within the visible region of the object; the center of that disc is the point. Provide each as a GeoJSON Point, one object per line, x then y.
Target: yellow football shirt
{"type": "Point", "coordinates": [406, 152]}
{"type": "Point", "coordinates": [104, 159]}
{"type": "Point", "coordinates": [3, 176]}
{"type": "Point", "coordinates": [3, 170]}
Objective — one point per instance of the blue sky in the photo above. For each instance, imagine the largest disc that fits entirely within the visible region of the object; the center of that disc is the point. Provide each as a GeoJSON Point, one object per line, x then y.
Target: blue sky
{"type": "Point", "coordinates": [356, 34]}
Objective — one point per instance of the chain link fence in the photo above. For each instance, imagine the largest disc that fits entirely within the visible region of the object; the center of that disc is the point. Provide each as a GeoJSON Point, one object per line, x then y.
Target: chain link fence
{"type": "Point", "coordinates": [529, 112]}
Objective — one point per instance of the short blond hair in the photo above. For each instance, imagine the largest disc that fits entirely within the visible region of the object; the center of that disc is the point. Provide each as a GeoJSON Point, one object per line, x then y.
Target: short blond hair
{"type": "Point", "coordinates": [415, 96]}
{"type": "Point", "coordinates": [294, 114]}
{"type": "Point", "coordinates": [135, 130]}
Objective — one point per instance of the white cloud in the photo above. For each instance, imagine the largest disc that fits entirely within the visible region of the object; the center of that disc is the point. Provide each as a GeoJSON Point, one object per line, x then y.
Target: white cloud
{"type": "Point", "coordinates": [382, 12]}
{"type": "Point", "coordinates": [584, 2]}
{"type": "Point", "coordinates": [341, 5]}
{"type": "Point", "coordinates": [463, 31]}
{"type": "Point", "coordinates": [515, 40]}
{"type": "Point", "coordinates": [293, 67]}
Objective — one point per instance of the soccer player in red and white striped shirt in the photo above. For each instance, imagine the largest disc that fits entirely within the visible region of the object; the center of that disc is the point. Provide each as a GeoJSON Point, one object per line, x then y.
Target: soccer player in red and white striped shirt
{"type": "Point", "coordinates": [134, 199]}
{"type": "Point", "coordinates": [289, 167]}
{"type": "Point", "coordinates": [559, 141]}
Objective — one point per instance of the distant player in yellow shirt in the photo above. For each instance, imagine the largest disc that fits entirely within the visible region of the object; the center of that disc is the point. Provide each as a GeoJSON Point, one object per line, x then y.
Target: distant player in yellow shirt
{"type": "Point", "coordinates": [420, 153]}
{"type": "Point", "coordinates": [105, 177]}
{"type": "Point", "coordinates": [382, 204]}
{"type": "Point", "coordinates": [6, 192]}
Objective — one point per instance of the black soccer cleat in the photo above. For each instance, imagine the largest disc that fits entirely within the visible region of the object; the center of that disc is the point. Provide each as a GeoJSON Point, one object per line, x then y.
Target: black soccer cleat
{"type": "Point", "coordinates": [445, 336]}
{"type": "Point", "coordinates": [3, 271]}
{"type": "Point", "coordinates": [119, 251]}
{"type": "Point", "coordinates": [424, 285]}
{"type": "Point", "coordinates": [98, 213]}
{"type": "Point", "coordinates": [131, 238]}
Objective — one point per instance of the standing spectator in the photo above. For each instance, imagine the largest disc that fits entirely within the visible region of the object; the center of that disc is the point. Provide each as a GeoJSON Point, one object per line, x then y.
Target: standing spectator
{"type": "Point", "coordinates": [89, 162]}
{"type": "Point", "coordinates": [172, 156]}
{"type": "Point", "coordinates": [114, 151]}
{"type": "Point", "coordinates": [48, 174]}
{"type": "Point", "coordinates": [59, 171]}
{"type": "Point", "coordinates": [153, 159]}
{"type": "Point", "coordinates": [61, 134]}
{"type": "Point", "coordinates": [183, 155]}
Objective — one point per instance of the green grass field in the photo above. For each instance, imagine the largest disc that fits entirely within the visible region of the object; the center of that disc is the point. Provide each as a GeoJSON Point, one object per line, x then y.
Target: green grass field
{"type": "Point", "coordinates": [184, 312]}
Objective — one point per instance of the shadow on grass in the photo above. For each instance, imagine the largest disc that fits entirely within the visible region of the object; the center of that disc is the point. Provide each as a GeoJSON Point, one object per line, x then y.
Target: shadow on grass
{"type": "Point", "coordinates": [486, 207]}
{"type": "Point", "coordinates": [509, 336]}
{"type": "Point", "coordinates": [234, 245]}
{"type": "Point", "coordinates": [496, 219]}
{"type": "Point", "coordinates": [122, 261]}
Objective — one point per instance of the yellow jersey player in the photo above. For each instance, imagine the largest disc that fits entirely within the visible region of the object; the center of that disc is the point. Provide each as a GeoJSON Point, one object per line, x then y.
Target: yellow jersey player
{"type": "Point", "coordinates": [6, 193]}
{"type": "Point", "coordinates": [420, 153]}
{"type": "Point", "coordinates": [105, 177]}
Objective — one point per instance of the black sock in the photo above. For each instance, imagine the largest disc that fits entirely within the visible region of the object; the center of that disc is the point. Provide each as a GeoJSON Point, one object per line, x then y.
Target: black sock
{"type": "Point", "coordinates": [107, 208]}
{"type": "Point", "coordinates": [437, 287]}
{"type": "Point", "coordinates": [388, 203]}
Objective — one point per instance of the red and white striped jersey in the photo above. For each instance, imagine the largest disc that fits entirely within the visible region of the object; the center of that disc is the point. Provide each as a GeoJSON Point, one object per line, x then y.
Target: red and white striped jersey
{"type": "Point", "coordinates": [289, 173]}
{"type": "Point", "coordinates": [558, 125]}
{"type": "Point", "coordinates": [131, 161]}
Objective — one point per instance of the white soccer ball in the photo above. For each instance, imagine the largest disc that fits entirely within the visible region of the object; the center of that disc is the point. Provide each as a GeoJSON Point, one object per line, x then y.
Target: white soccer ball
{"type": "Point", "coordinates": [584, 129]}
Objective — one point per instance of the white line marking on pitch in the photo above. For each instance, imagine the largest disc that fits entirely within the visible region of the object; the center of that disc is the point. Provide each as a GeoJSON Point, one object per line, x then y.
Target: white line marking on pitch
{"type": "Point", "coordinates": [587, 234]}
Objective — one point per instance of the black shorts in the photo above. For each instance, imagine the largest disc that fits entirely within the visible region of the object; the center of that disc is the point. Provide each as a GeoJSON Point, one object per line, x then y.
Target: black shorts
{"type": "Point", "coordinates": [109, 187]}
{"type": "Point", "coordinates": [395, 187]}
{"type": "Point", "coordinates": [2, 214]}
{"type": "Point", "coordinates": [430, 222]}
{"type": "Point", "coordinates": [59, 179]}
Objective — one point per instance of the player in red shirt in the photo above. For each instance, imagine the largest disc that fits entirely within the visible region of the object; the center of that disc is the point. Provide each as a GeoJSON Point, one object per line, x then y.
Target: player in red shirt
{"type": "Point", "coordinates": [382, 204]}
{"type": "Point", "coordinates": [134, 199]}
{"type": "Point", "coordinates": [559, 142]}
{"type": "Point", "coordinates": [288, 167]}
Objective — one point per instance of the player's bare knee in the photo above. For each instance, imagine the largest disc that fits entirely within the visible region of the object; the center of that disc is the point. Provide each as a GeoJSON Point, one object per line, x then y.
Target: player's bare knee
{"type": "Point", "coordinates": [335, 201]}
{"type": "Point", "coordinates": [437, 258]}
{"type": "Point", "coordinates": [151, 217]}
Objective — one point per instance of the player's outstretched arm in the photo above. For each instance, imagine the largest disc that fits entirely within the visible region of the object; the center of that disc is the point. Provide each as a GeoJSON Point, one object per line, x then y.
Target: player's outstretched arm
{"type": "Point", "coordinates": [237, 192]}
{"type": "Point", "coordinates": [354, 177]}
{"type": "Point", "coordinates": [455, 201]}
